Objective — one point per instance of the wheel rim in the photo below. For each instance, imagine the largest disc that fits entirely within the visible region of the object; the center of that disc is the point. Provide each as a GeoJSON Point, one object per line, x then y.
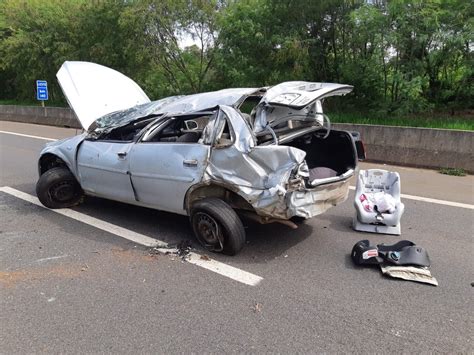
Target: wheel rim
{"type": "Point", "coordinates": [209, 232]}
{"type": "Point", "coordinates": [63, 191]}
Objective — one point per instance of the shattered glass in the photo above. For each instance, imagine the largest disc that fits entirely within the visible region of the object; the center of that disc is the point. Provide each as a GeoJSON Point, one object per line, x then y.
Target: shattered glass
{"type": "Point", "coordinates": [122, 118]}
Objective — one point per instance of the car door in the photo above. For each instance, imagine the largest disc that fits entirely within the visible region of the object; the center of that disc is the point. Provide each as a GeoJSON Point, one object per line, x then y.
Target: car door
{"type": "Point", "coordinates": [162, 172]}
{"type": "Point", "coordinates": [103, 168]}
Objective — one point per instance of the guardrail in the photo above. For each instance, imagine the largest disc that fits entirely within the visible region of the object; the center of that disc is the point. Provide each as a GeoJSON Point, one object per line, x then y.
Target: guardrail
{"type": "Point", "coordinates": [419, 147]}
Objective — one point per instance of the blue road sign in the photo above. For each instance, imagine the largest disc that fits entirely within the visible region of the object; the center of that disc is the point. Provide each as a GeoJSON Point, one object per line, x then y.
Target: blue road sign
{"type": "Point", "coordinates": [41, 90]}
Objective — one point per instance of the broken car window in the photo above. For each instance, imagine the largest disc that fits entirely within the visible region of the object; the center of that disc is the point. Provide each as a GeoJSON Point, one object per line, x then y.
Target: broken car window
{"type": "Point", "coordinates": [223, 132]}
{"type": "Point", "coordinates": [184, 129]}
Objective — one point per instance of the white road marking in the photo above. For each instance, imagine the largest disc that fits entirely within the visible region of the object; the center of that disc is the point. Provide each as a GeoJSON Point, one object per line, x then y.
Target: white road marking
{"type": "Point", "coordinates": [236, 274]}
{"type": "Point", "coordinates": [51, 258]}
{"type": "Point", "coordinates": [212, 265]}
{"type": "Point", "coordinates": [221, 268]}
{"type": "Point", "coordinates": [433, 200]}
{"type": "Point", "coordinates": [29, 136]}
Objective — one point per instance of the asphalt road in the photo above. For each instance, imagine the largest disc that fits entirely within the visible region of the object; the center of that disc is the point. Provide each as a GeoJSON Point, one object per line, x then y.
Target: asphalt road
{"type": "Point", "coordinates": [68, 287]}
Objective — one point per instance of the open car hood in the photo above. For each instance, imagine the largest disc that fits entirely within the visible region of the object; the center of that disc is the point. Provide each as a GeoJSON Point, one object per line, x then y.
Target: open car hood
{"type": "Point", "coordinates": [93, 90]}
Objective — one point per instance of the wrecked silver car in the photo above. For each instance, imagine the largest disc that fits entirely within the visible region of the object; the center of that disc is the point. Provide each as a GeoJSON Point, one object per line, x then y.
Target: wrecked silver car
{"type": "Point", "coordinates": [268, 154]}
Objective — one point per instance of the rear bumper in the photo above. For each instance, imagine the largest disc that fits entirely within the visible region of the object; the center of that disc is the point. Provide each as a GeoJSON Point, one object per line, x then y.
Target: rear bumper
{"type": "Point", "coordinates": [305, 203]}
{"type": "Point", "coordinates": [310, 203]}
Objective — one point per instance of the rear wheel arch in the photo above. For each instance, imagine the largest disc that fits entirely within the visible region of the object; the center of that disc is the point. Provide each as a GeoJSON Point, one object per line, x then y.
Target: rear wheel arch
{"type": "Point", "coordinates": [223, 192]}
{"type": "Point", "coordinates": [216, 226]}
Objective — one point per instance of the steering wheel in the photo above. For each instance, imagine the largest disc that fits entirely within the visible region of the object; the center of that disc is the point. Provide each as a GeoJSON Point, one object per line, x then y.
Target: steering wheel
{"type": "Point", "coordinates": [272, 132]}
{"type": "Point", "coordinates": [328, 128]}
{"type": "Point", "coordinates": [328, 125]}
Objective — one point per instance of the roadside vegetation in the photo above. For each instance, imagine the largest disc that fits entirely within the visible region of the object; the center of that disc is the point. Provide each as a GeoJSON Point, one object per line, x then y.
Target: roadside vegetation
{"type": "Point", "coordinates": [446, 121]}
{"type": "Point", "coordinates": [453, 171]}
{"type": "Point", "coordinates": [411, 62]}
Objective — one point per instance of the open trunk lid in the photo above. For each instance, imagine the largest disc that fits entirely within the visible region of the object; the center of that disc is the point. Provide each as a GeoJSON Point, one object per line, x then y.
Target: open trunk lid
{"type": "Point", "coordinates": [299, 94]}
{"type": "Point", "coordinates": [93, 90]}
{"type": "Point", "coordinates": [295, 99]}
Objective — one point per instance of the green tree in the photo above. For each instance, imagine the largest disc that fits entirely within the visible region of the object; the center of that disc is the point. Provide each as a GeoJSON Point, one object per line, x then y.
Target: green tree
{"type": "Point", "coordinates": [402, 56]}
{"type": "Point", "coordinates": [163, 26]}
{"type": "Point", "coordinates": [39, 40]}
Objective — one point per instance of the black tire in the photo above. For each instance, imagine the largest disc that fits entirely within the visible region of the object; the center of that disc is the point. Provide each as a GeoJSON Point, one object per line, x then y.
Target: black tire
{"type": "Point", "coordinates": [58, 188]}
{"type": "Point", "coordinates": [297, 219]}
{"type": "Point", "coordinates": [217, 227]}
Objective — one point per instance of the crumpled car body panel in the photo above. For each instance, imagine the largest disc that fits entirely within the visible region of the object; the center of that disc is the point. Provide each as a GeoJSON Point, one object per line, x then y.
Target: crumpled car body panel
{"type": "Point", "coordinates": [308, 204]}
{"type": "Point", "coordinates": [259, 177]}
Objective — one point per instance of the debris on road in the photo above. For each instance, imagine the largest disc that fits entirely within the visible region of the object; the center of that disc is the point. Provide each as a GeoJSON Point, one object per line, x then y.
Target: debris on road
{"type": "Point", "coordinates": [205, 257]}
{"type": "Point", "coordinates": [403, 260]}
{"type": "Point", "coordinates": [257, 307]}
{"type": "Point", "coordinates": [410, 273]}
{"type": "Point", "coordinates": [184, 248]}
{"type": "Point", "coordinates": [154, 251]}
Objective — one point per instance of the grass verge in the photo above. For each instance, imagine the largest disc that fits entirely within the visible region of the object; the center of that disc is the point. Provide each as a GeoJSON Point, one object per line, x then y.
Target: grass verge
{"type": "Point", "coordinates": [453, 171]}
{"type": "Point", "coordinates": [443, 121]}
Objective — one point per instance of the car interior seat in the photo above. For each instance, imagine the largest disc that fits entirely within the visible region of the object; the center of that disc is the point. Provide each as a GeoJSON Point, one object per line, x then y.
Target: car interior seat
{"type": "Point", "coordinates": [377, 186]}
{"type": "Point", "coordinates": [189, 137]}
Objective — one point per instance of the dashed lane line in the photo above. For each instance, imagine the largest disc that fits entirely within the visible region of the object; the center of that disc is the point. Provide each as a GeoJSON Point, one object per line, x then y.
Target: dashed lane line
{"type": "Point", "coordinates": [194, 258]}
{"type": "Point", "coordinates": [28, 136]}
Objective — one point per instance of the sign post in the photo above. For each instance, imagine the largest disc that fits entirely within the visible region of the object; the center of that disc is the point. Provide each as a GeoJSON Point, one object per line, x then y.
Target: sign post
{"type": "Point", "coordinates": [41, 91]}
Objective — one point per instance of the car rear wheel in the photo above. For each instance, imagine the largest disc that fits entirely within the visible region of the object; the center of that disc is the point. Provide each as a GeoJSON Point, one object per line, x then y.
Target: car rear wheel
{"type": "Point", "coordinates": [297, 219]}
{"type": "Point", "coordinates": [217, 227]}
{"type": "Point", "coordinates": [58, 188]}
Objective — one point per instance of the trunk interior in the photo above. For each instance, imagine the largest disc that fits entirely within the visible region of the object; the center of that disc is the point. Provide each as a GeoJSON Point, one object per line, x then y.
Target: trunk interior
{"type": "Point", "coordinates": [329, 158]}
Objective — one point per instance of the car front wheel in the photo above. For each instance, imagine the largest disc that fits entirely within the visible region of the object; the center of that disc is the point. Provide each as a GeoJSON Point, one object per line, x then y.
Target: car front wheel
{"type": "Point", "coordinates": [217, 227]}
{"type": "Point", "coordinates": [58, 188]}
